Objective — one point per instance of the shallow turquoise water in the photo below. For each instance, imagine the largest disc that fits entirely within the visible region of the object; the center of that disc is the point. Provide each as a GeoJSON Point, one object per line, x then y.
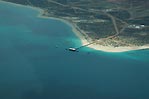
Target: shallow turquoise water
{"type": "Point", "coordinates": [32, 67]}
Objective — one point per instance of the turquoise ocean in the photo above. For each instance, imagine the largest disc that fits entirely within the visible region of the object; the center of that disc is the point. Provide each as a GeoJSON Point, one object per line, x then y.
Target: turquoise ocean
{"type": "Point", "coordinates": [35, 65]}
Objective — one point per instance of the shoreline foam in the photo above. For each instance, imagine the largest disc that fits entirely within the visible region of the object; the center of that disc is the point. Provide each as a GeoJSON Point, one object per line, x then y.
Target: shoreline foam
{"type": "Point", "coordinates": [80, 33]}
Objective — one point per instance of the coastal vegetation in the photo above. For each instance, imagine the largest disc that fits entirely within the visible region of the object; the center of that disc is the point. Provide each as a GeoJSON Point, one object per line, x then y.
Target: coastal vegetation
{"type": "Point", "coordinates": [118, 23]}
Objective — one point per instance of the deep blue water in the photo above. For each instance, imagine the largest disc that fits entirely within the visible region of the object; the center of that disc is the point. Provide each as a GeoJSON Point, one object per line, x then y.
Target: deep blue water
{"type": "Point", "coordinates": [35, 65]}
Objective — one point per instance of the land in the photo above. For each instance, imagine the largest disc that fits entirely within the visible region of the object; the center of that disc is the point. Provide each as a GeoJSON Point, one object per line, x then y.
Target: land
{"type": "Point", "coordinates": [107, 25]}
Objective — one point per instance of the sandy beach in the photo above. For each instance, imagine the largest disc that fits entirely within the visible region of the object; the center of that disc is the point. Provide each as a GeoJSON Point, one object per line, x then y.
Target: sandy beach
{"type": "Point", "coordinates": [81, 34]}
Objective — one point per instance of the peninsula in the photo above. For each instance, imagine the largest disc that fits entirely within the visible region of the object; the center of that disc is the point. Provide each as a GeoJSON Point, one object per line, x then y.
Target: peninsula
{"type": "Point", "coordinates": [109, 25]}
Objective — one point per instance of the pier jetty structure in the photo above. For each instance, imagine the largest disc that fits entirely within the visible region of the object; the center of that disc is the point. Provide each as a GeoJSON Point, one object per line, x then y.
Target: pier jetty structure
{"type": "Point", "coordinates": [77, 48]}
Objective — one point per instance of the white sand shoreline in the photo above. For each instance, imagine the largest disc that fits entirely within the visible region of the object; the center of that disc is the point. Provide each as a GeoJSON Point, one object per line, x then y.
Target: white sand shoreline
{"type": "Point", "coordinates": [79, 34]}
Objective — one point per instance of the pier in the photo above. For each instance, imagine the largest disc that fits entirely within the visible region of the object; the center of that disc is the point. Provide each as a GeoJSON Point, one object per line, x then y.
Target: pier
{"type": "Point", "coordinates": [76, 49]}
{"type": "Point", "coordinates": [85, 45]}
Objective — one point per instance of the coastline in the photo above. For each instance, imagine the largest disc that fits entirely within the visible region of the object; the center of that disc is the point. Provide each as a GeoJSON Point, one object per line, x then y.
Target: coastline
{"type": "Point", "coordinates": [81, 34]}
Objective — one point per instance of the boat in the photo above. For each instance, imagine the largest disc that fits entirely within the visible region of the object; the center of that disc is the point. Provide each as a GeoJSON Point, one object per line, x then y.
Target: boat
{"type": "Point", "coordinates": [72, 49]}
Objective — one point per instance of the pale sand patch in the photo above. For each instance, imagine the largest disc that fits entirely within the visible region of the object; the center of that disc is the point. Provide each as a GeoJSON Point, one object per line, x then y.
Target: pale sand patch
{"type": "Point", "coordinates": [117, 49]}
{"type": "Point", "coordinates": [81, 34]}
